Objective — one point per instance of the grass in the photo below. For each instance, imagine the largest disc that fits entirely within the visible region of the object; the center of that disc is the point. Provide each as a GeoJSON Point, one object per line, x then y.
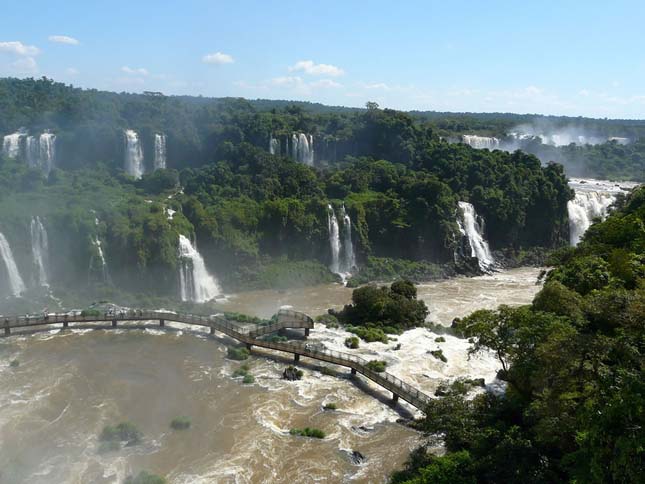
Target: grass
{"type": "Point", "coordinates": [308, 432]}
{"type": "Point", "coordinates": [180, 423]}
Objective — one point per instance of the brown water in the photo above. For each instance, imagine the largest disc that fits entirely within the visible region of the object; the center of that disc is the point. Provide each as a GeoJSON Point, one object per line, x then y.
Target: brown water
{"type": "Point", "coordinates": [69, 385]}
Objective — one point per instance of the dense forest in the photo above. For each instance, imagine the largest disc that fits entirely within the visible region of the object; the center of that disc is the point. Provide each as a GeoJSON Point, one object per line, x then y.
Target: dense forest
{"type": "Point", "coordinates": [573, 366]}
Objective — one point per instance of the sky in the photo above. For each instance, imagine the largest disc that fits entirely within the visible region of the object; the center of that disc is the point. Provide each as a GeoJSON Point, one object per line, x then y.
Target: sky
{"type": "Point", "coordinates": [566, 57]}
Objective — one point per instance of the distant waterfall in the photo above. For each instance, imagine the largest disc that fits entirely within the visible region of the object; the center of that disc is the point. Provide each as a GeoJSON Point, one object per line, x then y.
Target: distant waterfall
{"type": "Point", "coordinates": [133, 154]}
{"type": "Point", "coordinates": [334, 240]}
{"type": "Point", "coordinates": [32, 151]}
{"type": "Point", "coordinates": [472, 226]}
{"type": "Point", "coordinates": [274, 146]}
{"type": "Point", "coordinates": [349, 259]}
{"type": "Point", "coordinates": [196, 284]}
{"type": "Point", "coordinates": [16, 283]}
{"type": "Point", "coordinates": [160, 152]}
{"type": "Point", "coordinates": [11, 144]}
{"type": "Point", "coordinates": [47, 152]}
{"type": "Point", "coordinates": [40, 251]}
{"type": "Point", "coordinates": [302, 148]}
{"type": "Point", "coordinates": [99, 257]}
{"type": "Point", "coordinates": [480, 142]}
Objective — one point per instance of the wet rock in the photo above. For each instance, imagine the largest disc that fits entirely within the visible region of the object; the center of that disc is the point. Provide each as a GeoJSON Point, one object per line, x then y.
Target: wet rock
{"type": "Point", "coordinates": [356, 457]}
{"type": "Point", "coordinates": [477, 382]}
{"type": "Point", "coordinates": [362, 428]}
{"type": "Point", "coordinates": [292, 374]}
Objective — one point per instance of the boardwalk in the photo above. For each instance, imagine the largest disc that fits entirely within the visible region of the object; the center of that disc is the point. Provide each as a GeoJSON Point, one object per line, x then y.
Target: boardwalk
{"type": "Point", "coordinates": [248, 334]}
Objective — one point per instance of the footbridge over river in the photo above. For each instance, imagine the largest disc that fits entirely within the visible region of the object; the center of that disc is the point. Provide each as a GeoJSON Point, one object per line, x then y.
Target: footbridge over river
{"type": "Point", "coordinates": [248, 334]}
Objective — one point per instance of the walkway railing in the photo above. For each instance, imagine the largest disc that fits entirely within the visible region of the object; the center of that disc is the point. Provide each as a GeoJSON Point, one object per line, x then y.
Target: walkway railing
{"type": "Point", "coordinates": [247, 334]}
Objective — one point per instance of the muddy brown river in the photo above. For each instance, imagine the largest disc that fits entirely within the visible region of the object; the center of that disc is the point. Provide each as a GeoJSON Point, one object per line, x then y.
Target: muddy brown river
{"type": "Point", "coordinates": [70, 384]}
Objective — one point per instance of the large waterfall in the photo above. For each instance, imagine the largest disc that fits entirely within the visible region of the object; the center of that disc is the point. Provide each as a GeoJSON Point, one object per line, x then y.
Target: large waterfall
{"type": "Point", "coordinates": [481, 142]}
{"type": "Point", "coordinates": [343, 260]}
{"type": "Point", "coordinates": [160, 152]}
{"type": "Point", "coordinates": [302, 148]}
{"type": "Point", "coordinates": [593, 199]}
{"type": "Point", "coordinates": [196, 284]}
{"type": "Point", "coordinates": [133, 154]}
{"type": "Point", "coordinates": [274, 146]}
{"type": "Point", "coordinates": [40, 251]}
{"type": "Point", "coordinates": [40, 152]}
{"type": "Point", "coordinates": [472, 226]}
{"type": "Point", "coordinates": [11, 144]}
{"type": "Point", "coordinates": [16, 283]}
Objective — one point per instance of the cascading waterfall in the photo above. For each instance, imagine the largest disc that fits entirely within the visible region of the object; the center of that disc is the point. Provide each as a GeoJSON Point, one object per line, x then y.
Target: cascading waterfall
{"type": "Point", "coordinates": [472, 226]}
{"type": "Point", "coordinates": [196, 284]}
{"type": "Point", "coordinates": [40, 251]}
{"type": "Point", "coordinates": [160, 152]}
{"type": "Point", "coordinates": [99, 257]}
{"type": "Point", "coordinates": [11, 144]}
{"type": "Point", "coordinates": [16, 284]}
{"type": "Point", "coordinates": [47, 152]}
{"type": "Point", "coordinates": [334, 240]}
{"type": "Point", "coordinates": [32, 149]}
{"type": "Point", "coordinates": [302, 148]}
{"type": "Point", "coordinates": [349, 259]}
{"type": "Point", "coordinates": [274, 146]}
{"type": "Point", "coordinates": [480, 142]}
{"type": "Point", "coordinates": [133, 154]}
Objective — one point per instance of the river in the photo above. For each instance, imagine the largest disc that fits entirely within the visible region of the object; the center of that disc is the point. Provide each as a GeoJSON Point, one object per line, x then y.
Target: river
{"type": "Point", "coordinates": [70, 384]}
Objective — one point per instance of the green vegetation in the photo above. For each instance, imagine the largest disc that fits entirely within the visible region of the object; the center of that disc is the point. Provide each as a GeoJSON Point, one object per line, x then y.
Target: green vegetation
{"type": "Point", "coordinates": [438, 354]}
{"type": "Point", "coordinates": [388, 269]}
{"type": "Point", "coordinates": [573, 364]}
{"type": "Point", "coordinates": [180, 423]}
{"type": "Point", "coordinates": [125, 432]}
{"type": "Point", "coordinates": [352, 342]}
{"type": "Point", "coordinates": [248, 379]}
{"type": "Point", "coordinates": [238, 354]}
{"type": "Point", "coordinates": [144, 477]}
{"type": "Point", "coordinates": [325, 370]}
{"type": "Point", "coordinates": [14, 364]}
{"type": "Point", "coordinates": [328, 320]}
{"type": "Point", "coordinates": [376, 365]}
{"type": "Point", "coordinates": [308, 432]}
{"type": "Point", "coordinates": [330, 406]}
{"type": "Point", "coordinates": [369, 333]}
{"type": "Point", "coordinates": [243, 370]}
{"type": "Point", "coordinates": [440, 339]}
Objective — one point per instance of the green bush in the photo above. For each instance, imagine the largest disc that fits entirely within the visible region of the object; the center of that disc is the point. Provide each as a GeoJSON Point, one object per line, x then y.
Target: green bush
{"type": "Point", "coordinates": [328, 320]}
{"type": "Point", "coordinates": [330, 406]}
{"type": "Point", "coordinates": [243, 370]}
{"type": "Point", "coordinates": [238, 354]}
{"type": "Point", "coordinates": [145, 478]}
{"type": "Point", "coordinates": [352, 342]}
{"type": "Point", "coordinates": [308, 432]}
{"type": "Point", "coordinates": [440, 339]}
{"type": "Point", "coordinates": [87, 313]}
{"type": "Point", "coordinates": [14, 364]}
{"type": "Point", "coordinates": [438, 354]}
{"type": "Point", "coordinates": [325, 370]}
{"type": "Point", "coordinates": [123, 432]}
{"type": "Point", "coordinates": [180, 423]}
{"type": "Point", "coordinates": [369, 333]}
{"type": "Point", "coordinates": [376, 365]}
{"type": "Point", "coordinates": [248, 379]}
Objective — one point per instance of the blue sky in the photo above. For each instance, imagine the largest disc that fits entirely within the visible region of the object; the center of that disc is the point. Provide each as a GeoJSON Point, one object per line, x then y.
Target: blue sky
{"type": "Point", "coordinates": [552, 57]}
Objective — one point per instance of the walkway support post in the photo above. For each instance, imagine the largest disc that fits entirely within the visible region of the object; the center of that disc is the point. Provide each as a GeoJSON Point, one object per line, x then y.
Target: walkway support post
{"type": "Point", "coordinates": [212, 330]}
{"type": "Point", "coordinates": [7, 331]}
{"type": "Point", "coordinates": [395, 398]}
{"type": "Point", "coordinates": [114, 323]}
{"type": "Point", "coordinates": [306, 332]}
{"type": "Point", "coordinates": [249, 346]}
{"type": "Point", "coordinates": [162, 323]}
{"type": "Point", "coordinates": [296, 357]}
{"type": "Point", "coordinates": [65, 324]}
{"type": "Point", "coordinates": [353, 371]}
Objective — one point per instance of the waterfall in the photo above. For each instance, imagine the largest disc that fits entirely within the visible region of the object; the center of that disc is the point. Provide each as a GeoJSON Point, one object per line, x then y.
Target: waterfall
{"type": "Point", "coordinates": [349, 259]}
{"type": "Point", "coordinates": [47, 153]}
{"type": "Point", "coordinates": [274, 146]}
{"type": "Point", "coordinates": [133, 154]}
{"type": "Point", "coordinates": [40, 251]}
{"type": "Point", "coordinates": [160, 152]}
{"type": "Point", "coordinates": [480, 142]}
{"type": "Point", "coordinates": [302, 148]}
{"type": "Point", "coordinates": [334, 240]}
{"type": "Point", "coordinates": [196, 284]}
{"type": "Point", "coordinates": [472, 226]}
{"type": "Point", "coordinates": [11, 144]}
{"type": "Point", "coordinates": [103, 267]}
{"type": "Point", "coordinates": [15, 281]}
{"type": "Point", "coordinates": [32, 149]}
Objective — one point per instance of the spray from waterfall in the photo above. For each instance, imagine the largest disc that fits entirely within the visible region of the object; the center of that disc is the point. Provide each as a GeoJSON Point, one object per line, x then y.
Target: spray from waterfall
{"type": "Point", "coordinates": [480, 142]}
{"type": "Point", "coordinates": [160, 152]}
{"type": "Point", "coordinates": [196, 284]}
{"type": "Point", "coordinates": [16, 284]}
{"type": "Point", "coordinates": [40, 251]}
{"type": "Point", "coordinates": [133, 163]}
{"type": "Point", "coordinates": [472, 227]}
{"type": "Point", "coordinates": [11, 143]}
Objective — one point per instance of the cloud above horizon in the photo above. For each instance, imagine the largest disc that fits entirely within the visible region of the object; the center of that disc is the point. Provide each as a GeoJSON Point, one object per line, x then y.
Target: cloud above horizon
{"type": "Point", "coordinates": [18, 48]}
{"type": "Point", "coordinates": [313, 69]}
{"type": "Point", "coordinates": [63, 39]}
{"type": "Point", "coordinates": [218, 58]}
{"type": "Point", "coordinates": [139, 71]}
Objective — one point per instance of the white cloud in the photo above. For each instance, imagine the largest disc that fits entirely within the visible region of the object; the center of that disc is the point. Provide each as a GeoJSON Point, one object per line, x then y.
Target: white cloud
{"type": "Point", "coordinates": [18, 48]}
{"type": "Point", "coordinates": [140, 71]}
{"type": "Point", "coordinates": [286, 81]}
{"type": "Point", "coordinates": [217, 58]}
{"type": "Point", "coordinates": [325, 83]}
{"type": "Point", "coordinates": [130, 81]}
{"type": "Point", "coordinates": [63, 39]}
{"type": "Point", "coordinates": [25, 65]}
{"type": "Point", "coordinates": [376, 85]}
{"type": "Point", "coordinates": [313, 69]}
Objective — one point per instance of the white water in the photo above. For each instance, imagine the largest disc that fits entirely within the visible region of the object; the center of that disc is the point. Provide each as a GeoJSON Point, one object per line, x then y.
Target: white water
{"type": "Point", "coordinates": [40, 251]}
{"type": "Point", "coordinates": [592, 201]}
{"type": "Point", "coordinates": [481, 142]}
{"type": "Point", "coordinates": [103, 268]}
{"type": "Point", "coordinates": [349, 259]}
{"type": "Point", "coordinates": [11, 144]}
{"type": "Point", "coordinates": [16, 283]}
{"type": "Point", "coordinates": [334, 240]}
{"type": "Point", "coordinates": [133, 154]}
{"type": "Point", "coordinates": [302, 148]}
{"type": "Point", "coordinates": [196, 284]}
{"type": "Point", "coordinates": [160, 152]}
{"type": "Point", "coordinates": [274, 146]}
{"type": "Point", "coordinates": [472, 227]}
{"type": "Point", "coordinates": [47, 152]}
